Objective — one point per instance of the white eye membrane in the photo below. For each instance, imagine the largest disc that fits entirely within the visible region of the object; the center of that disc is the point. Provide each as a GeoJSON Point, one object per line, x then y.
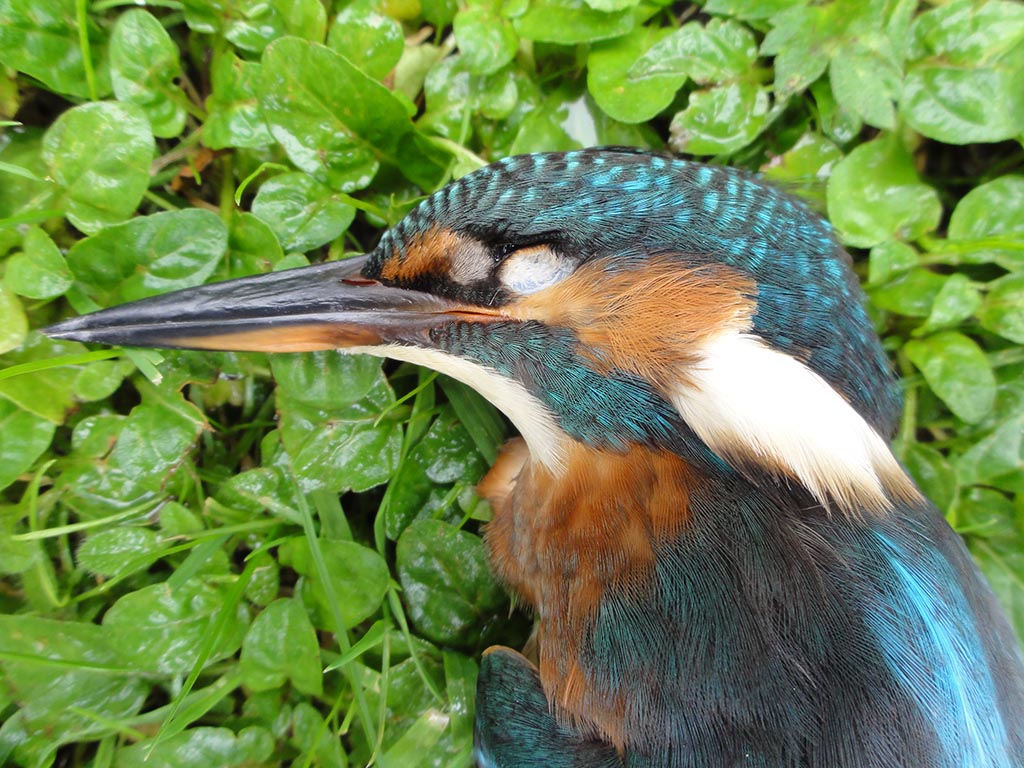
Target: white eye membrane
{"type": "Point", "coordinates": [534, 268]}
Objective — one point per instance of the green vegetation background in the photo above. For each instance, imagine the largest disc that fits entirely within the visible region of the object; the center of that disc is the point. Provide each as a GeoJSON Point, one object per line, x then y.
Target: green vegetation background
{"type": "Point", "coordinates": [187, 541]}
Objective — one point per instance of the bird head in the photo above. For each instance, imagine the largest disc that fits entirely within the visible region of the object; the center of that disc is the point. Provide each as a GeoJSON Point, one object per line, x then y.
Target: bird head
{"type": "Point", "coordinates": [601, 298]}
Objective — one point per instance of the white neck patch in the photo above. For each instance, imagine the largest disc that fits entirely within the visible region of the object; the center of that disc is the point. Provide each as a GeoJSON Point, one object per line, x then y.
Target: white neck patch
{"type": "Point", "coordinates": [753, 404]}
{"type": "Point", "coordinates": [547, 441]}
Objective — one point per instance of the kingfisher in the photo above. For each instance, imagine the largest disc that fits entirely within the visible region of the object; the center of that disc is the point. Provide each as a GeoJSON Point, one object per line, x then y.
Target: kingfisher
{"type": "Point", "coordinates": [726, 563]}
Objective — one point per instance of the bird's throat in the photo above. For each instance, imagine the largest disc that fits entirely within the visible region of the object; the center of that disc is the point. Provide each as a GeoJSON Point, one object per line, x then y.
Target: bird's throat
{"type": "Point", "coordinates": [564, 542]}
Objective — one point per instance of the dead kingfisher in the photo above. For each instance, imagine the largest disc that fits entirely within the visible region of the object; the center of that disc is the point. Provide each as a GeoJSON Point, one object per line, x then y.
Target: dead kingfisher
{"type": "Point", "coordinates": [726, 563]}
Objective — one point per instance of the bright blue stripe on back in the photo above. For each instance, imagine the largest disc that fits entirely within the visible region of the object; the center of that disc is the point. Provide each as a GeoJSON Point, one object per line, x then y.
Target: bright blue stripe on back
{"type": "Point", "coordinates": [932, 620]}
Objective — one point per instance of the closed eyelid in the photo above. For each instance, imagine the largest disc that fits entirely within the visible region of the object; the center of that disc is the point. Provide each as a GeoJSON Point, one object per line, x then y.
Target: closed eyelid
{"type": "Point", "coordinates": [534, 268]}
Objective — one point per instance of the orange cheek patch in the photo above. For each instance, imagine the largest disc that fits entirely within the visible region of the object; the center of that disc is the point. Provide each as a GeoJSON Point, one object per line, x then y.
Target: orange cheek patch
{"type": "Point", "coordinates": [649, 320]}
{"type": "Point", "coordinates": [428, 253]}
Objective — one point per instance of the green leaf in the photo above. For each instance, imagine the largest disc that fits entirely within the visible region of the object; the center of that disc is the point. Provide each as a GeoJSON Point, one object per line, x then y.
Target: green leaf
{"type": "Point", "coordinates": [234, 118]}
{"type": "Point", "coordinates": [445, 455]}
{"type": "Point", "coordinates": [303, 213]}
{"type": "Point", "coordinates": [253, 745]}
{"type": "Point", "coordinates": [625, 97]}
{"type": "Point", "coordinates": [281, 645]}
{"type": "Point", "coordinates": [866, 79]}
{"type": "Point", "coordinates": [963, 83]}
{"type": "Point", "coordinates": [957, 300]}
{"type": "Point", "coordinates": [447, 584]}
{"type": "Point", "coordinates": [143, 66]}
{"type": "Point", "coordinates": [161, 629]}
{"type": "Point", "coordinates": [933, 473]}
{"type": "Point", "coordinates": [13, 322]}
{"type": "Point", "coordinates": [334, 122]}
{"type": "Point", "coordinates": [874, 195]}
{"type": "Point", "coordinates": [991, 213]}
{"type": "Point", "coordinates": [252, 246]}
{"type": "Point", "coordinates": [460, 673]}
{"type": "Point", "coordinates": [720, 120]}
{"type": "Point", "coordinates": [891, 258]}
{"type": "Point", "coordinates": [911, 293]}
{"type": "Point", "coordinates": [801, 40]}
{"type": "Point", "coordinates": [313, 736]}
{"type": "Point", "coordinates": [253, 24]}
{"type": "Point", "coordinates": [20, 195]}
{"type": "Point", "coordinates": [957, 371]}
{"type": "Point", "coordinates": [16, 556]}
{"type": "Point", "coordinates": [721, 50]}
{"type": "Point", "coordinates": [48, 393]}
{"type": "Point", "coordinates": [359, 577]}
{"type": "Point", "coordinates": [329, 405]}
{"type": "Point", "coordinates": [23, 438]}
{"type": "Point", "coordinates": [149, 255]}
{"type": "Point", "coordinates": [570, 22]}
{"type": "Point", "coordinates": [834, 119]}
{"type": "Point", "coordinates": [805, 167]}
{"type": "Point", "coordinates": [119, 551]}
{"type": "Point", "coordinates": [749, 10]}
{"type": "Point", "coordinates": [486, 39]}
{"type": "Point", "coordinates": [370, 40]}
{"type": "Point", "coordinates": [570, 120]}
{"type": "Point", "coordinates": [1002, 562]}
{"type": "Point", "coordinates": [41, 38]}
{"type": "Point", "coordinates": [39, 271]}
{"type": "Point", "coordinates": [997, 459]}
{"type": "Point", "coordinates": [61, 673]}
{"type": "Point", "coordinates": [1003, 309]}
{"type": "Point", "coordinates": [99, 154]}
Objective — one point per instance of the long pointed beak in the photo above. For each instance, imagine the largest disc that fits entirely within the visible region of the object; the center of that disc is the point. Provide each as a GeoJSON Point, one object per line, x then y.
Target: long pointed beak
{"type": "Point", "coordinates": [326, 306]}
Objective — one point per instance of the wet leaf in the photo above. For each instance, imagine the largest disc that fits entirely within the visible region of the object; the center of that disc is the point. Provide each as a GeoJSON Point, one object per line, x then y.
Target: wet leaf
{"type": "Point", "coordinates": [149, 255]}
{"type": "Point", "coordinates": [447, 584]}
{"type": "Point", "coordinates": [631, 98]}
{"type": "Point", "coordinates": [99, 154]}
{"type": "Point", "coordinates": [997, 459]}
{"type": "Point", "coordinates": [992, 213]}
{"type": "Point", "coordinates": [866, 79]}
{"type": "Point", "coordinates": [720, 120]}
{"type": "Point", "coordinates": [23, 438]}
{"type": "Point", "coordinates": [329, 405]}
{"type": "Point", "coordinates": [334, 121]}
{"type": "Point", "coordinates": [570, 22]}
{"type": "Point", "coordinates": [234, 118]}
{"type": "Point", "coordinates": [875, 194]}
{"type": "Point", "coordinates": [1003, 309]}
{"type": "Point", "coordinates": [957, 371]}
{"type": "Point", "coordinates": [160, 628]}
{"type": "Point", "coordinates": [13, 322]}
{"type": "Point", "coordinates": [719, 51]}
{"type": "Point", "coordinates": [486, 39]}
{"type": "Point", "coordinates": [252, 745]}
{"type": "Point", "coordinates": [61, 672]}
{"type": "Point", "coordinates": [143, 66]}
{"type": "Point", "coordinates": [119, 551]}
{"type": "Point", "coordinates": [963, 83]}
{"type": "Point", "coordinates": [370, 40]}
{"type": "Point", "coordinates": [39, 271]}
{"type": "Point", "coordinates": [41, 38]}
{"type": "Point", "coordinates": [359, 579]}
{"type": "Point", "coordinates": [281, 645]}
{"type": "Point", "coordinates": [303, 213]}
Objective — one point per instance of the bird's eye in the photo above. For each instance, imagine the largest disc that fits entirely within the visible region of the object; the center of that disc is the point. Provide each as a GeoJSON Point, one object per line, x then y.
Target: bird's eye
{"type": "Point", "coordinates": [502, 251]}
{"type": "Point", "coordinates": [533, 268]}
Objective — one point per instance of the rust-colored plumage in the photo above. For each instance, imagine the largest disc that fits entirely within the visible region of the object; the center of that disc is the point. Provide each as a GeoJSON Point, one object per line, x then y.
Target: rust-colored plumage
{"type": "Point", "coordinates": [562, 542]}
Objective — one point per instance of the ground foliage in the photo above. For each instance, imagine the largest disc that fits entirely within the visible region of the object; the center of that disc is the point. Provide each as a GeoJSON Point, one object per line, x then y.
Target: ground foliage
{"type": "Point", "coordinates": [187, 541]}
